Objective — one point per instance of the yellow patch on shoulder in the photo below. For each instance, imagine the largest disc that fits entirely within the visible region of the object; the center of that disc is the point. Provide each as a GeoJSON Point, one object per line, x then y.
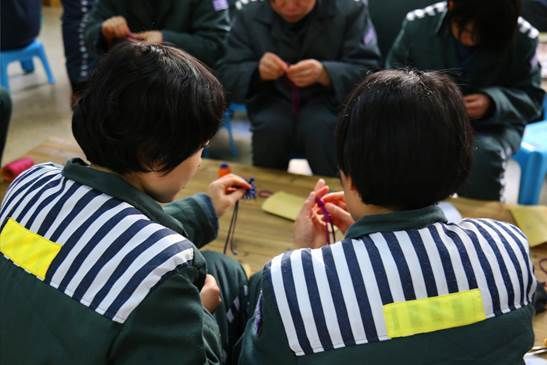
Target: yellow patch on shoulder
{"type": "Point", "coordinates": [27, 249]}
{"type": "Point", "coordinates": [434, 314]}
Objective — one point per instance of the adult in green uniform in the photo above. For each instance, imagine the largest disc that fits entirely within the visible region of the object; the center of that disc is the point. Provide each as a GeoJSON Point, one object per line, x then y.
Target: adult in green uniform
{"type": "Point", "coordinates": [198, 27]}
{"type": "Point", "coordinates": [293, 63]}
{"type": "Point", "coordinates": [403, 286]}
{"type": "Point", "coordinates": [93, 269]}
{"type": "Point", "coordinates": [491, 54]}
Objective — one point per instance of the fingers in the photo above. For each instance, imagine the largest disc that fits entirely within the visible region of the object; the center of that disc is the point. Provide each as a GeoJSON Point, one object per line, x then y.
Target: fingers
{"type": "Point", "coordinates": [115, 27]}
{"type": "Point", "coordinates": [210, 294]}
{"type": "Point", "coordinates": [304, 73]}
{"type": "Point", "coordinates": [299, 67]}
{"type": "Point", "coordinates": [322, 192]}
{"type": "Point", "coordinates": [226, 191]}
{"type": "Point", "coordinates": [233, 181]}
{"type": "Point", "coordinates": [271, 67]}
{"type": "Point", "coordinates": [475, 110]}
{"type": "Point", "coordinates": [279, 63]}
{"type": "Point", "coordinates": [309, 203]}
{"type": "Point", "coordinates": [475, 103]}
{"type": "Point", "coordinates": [337, 198]}
{"type": "Point", "coordinates": [340, 217]}
{"type": "Point", "coordinates": [210, 282]}
{"type": "Point", "coordinates": [336, 211]}
{"type": "Point", "coordinates": [319, 184]}
{"type": "Point", "coordinates": [234, 196]}
{"type": "Point", "coordinates": [318, 221]}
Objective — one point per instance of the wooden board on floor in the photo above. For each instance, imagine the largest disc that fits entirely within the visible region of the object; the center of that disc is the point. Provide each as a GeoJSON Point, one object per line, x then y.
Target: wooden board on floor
{"type": "Point", "coordinates": [259, 235]}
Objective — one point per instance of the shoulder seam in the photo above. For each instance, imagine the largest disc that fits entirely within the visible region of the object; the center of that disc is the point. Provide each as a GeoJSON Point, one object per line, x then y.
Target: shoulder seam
{"type": "Point", "coordinates": [430, 10]}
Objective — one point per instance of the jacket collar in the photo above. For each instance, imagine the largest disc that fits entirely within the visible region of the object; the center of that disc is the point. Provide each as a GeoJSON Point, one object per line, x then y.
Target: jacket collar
{"type": "Point", "coordinates": [442, 22]}
{"type": "Point", "coordinates": [113, 185]}
{"type": "Point", "coordinates": [396, 221]}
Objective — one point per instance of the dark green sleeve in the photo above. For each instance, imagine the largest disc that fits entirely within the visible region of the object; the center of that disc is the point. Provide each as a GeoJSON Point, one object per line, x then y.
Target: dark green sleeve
{"type": "Point", "coordinates": [264, 341]}
{"type": "Point", "coordinates": [198, 217]}
{"type": "Point", "coordinates": [169, 327]}
{"type": "Point", "coordinates": [360, 53]}
{"type": "Point", "coordinates": [399, 55]}
{"type": "Point", "coordinates": [240, 62]}
{"type": "Point", "coordinates": [520, 100]}
{"type": "Point", "coordinates": [206, 39]}
{"type": "Point", "coordinates": [102, 10]}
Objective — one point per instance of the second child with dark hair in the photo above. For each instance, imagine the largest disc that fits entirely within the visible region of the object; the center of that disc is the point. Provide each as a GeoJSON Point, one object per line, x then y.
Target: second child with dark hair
{"type": "Point", "coordinates": [403, 286]}
{"type": "Point", "coordinates": [93, 269]}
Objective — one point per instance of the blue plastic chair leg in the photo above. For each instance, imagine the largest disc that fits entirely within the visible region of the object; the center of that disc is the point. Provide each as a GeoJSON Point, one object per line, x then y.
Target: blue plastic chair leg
{"type": "Point", "coordinates": [45, 63]}
{"type": "Point", "coordinates": [28, 65]}
{"type": "Point", "coordinates": [4, 80]}
{"type": "Point", "coordinates": [531, 181]}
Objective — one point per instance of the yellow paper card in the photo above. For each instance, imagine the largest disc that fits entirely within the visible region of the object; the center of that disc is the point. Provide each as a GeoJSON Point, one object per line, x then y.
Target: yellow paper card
{"type": "Point", "coordinates": [532, 220]}
{"type": "Point", "coordinates": [284, 205]}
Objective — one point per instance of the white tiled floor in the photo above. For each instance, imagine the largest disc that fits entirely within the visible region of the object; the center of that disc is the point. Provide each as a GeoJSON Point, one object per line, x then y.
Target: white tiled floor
{"type": "Point", "coordinates": [42, 110]}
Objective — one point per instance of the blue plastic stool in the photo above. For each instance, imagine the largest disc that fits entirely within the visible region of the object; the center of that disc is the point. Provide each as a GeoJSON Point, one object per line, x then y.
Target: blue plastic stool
{"type": "Point", "coordinates": [532, 158]}
{"type": "Point", "coordinates": [24, 56]}
{"type": "Point", "coordinates": [227, 123]}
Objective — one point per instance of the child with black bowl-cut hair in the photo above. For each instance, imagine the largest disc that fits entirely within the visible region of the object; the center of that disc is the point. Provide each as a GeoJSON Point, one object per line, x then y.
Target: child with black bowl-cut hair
{"type": "Point", "coordinates": [403, 286]}
{"type": "Point", "coordinates": [93, 269]}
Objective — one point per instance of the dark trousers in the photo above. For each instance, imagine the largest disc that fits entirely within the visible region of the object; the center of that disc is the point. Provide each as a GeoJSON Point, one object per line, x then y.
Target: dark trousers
{"type": "Point", "coordinates": [491, 153]}
{"type": "Point", "coordinates": [79, 62]}
{"type": "Point", "coordinates": [231, 314]}
{"type": "Point", "coordinates": [5, 114]}
{"type": "Point", "coordinates": [280, 134]}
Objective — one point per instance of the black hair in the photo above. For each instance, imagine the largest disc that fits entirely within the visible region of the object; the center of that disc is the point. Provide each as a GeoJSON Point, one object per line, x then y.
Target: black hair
{"type": "Point", "coordinates": [495, 21]}
{"type": "Point", "coordinates": [147, 107]}
{"type": "Point", "coordinates": [405, 139]}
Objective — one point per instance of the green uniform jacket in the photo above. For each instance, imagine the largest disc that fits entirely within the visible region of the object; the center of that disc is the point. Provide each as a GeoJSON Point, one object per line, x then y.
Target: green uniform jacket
{"type": "Point", "coordinates": [46, 322]}
{"type": "Point", "coordinates": [198, 27]}
{"type": "Point", "coordinates": [387, 16]}
{"type": "Point", "coordinates": [339, 34]}
{"type": "Point", "coordinates": [510, 77]}
{"type": "Point", "coordinates": [402, 288]}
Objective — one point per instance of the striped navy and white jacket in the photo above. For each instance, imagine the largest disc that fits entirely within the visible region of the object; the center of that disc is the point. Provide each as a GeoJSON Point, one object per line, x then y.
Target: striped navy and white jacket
{"type": "Point", "coordinates": [108, 254]}
{"type": "Point", "coordinates": [392, 285]}
{"type": "Point", "coordinates": [116, 274]}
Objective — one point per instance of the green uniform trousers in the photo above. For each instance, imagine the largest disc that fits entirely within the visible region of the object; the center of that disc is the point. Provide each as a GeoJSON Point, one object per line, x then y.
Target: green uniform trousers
{"type": "Point", "coordinates": [230, 315]}
{"type": "Point", "coordinates": [491, 153]}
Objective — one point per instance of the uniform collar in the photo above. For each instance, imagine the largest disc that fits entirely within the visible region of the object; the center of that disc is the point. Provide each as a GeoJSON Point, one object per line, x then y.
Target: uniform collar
{"type": "Point", "coordinates": [396, 221]}
{"type": "Point", "coordinates": [442, 22]}
{"type": "Point", "coordinates": [113, 185]}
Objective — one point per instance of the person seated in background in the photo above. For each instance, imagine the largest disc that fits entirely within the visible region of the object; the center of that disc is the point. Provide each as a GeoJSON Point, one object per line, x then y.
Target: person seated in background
{"type": "Point", "coordinates": [5, 115]}
{"type": "Point", "coordinates": [79, 61]}
{"type": "Point", "coordinates": [93, 270]}
{"type": "Point", "coordinates": [293, 63]}
{"type": "Point", "coordinates": [19, 23]}
{"type": "Point", "coordinates": [491, 53]}
{"type": "Point", "coordinates": [403, 286]}
{"type": "Point", "coordinates": [198, 27]}
{"type": "Point", "coordinates": [535, 11]}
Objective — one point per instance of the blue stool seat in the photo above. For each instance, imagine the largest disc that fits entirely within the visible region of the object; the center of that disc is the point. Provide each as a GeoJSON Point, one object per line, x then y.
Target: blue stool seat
{"type": "Point", "coordinates": [25, 57]}
{"type": "Point", "coordinates": [532, 158]}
